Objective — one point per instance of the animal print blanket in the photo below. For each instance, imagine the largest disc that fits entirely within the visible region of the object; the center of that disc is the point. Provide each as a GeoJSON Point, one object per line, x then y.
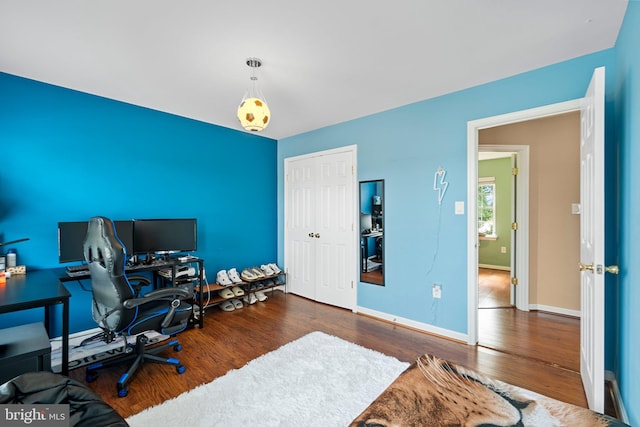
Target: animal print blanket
{"type": "Point", "coordinates": [434, 392]}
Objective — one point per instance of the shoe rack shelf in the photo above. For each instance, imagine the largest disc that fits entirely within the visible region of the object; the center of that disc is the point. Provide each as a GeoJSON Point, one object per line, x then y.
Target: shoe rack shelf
{"type": "Point", "coordinates": [209, 296]}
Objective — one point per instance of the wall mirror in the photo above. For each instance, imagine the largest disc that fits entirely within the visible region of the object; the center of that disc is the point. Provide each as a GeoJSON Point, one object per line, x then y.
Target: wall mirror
{"type": "Point", "coordinates": [372, 232]}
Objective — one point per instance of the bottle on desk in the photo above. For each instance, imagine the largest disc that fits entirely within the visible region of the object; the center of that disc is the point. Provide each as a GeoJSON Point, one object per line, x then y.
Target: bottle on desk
{"type": "Point", "coordinates": [11, 258]}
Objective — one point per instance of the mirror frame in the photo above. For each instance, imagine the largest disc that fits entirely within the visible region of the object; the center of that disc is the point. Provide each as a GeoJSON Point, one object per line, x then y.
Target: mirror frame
{"type": "Point", "coordinates": [364, 209]}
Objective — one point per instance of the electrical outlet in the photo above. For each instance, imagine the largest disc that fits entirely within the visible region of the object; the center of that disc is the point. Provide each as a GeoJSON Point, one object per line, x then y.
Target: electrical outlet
{"type": "Point", "coordinates": [503, 249]}
{"type": "Point", "coordinates": [436, 290]}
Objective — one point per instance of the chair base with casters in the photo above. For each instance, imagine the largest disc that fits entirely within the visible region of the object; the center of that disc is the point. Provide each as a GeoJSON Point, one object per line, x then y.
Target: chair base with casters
{"type": "Point", "coordinates": [138, 353]}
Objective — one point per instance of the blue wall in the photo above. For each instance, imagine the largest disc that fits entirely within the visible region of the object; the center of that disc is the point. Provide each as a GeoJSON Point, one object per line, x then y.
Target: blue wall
{"type": "Point", "coordinates": [627, 123]}
{"type": "Point", "coordinates": [426, 243]}
{"type": "Point", "coordinates": [67, 156]}
{"type": "Point", "coordinates": [165, 166]}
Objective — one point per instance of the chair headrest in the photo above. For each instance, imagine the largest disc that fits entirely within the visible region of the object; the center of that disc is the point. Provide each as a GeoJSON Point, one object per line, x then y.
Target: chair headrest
{"type": "Point", "coordinates": [103, 246]}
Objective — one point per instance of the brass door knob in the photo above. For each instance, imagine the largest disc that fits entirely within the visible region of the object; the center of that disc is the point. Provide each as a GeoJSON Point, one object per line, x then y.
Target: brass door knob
{"type": "Point", "coordinates": [585, 267]}
{"type": "Point", "coordinates": [613, 269]}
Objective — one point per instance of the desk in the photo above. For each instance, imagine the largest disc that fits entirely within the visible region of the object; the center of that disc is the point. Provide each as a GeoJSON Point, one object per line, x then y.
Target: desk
{"type": "Point", "coordinates": [364, 243]}
{"type": "Point", "coordinates": [153, 267]}
{"type": "Point", "coordinates": [39, 288]}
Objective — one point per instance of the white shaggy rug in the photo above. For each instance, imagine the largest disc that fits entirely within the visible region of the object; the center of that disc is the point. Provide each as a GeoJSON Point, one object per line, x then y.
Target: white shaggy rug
{"type": "Point", "coordinates": [317, 380]}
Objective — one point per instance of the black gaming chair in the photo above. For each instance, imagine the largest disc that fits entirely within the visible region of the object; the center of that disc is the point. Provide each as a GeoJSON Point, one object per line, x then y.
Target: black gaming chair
{"type": "Point", "coordinates": [119, 310]}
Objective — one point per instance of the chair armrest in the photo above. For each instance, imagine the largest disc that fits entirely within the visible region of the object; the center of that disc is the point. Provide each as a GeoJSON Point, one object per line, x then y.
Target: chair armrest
{"type": "Point", "coordinates": [180, 293]}
{"type": "Point", "coordinates": [137, 283]}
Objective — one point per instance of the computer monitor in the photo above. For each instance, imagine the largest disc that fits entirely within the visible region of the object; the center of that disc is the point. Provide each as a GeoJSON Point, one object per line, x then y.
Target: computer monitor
{"type": "Point", "coordinates": [71, 237]}
{"type": "Point", "coordinates": [365, 222]}
{"type": "Point", "coordinates": [164, 235]}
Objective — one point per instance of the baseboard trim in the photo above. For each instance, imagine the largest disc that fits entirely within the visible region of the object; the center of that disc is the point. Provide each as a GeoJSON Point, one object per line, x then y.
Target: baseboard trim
{"type": "Point", "coordinates": [555, 310]}
{"type": "Point", "coordinates": [495, 267]}
{"type": "Point", "coordinates": [424, 327]}
{"type": "Point", "coordinates": [616, 396]}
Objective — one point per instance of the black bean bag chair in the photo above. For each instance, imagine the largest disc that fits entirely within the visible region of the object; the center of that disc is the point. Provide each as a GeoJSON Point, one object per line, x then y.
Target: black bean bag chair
{"type": "Point", "coordinates": [86, 408]}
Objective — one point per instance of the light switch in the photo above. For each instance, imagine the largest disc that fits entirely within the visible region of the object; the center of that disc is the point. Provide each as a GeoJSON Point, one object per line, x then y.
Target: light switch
{"type": "Point", "coordinates": [459, 208]}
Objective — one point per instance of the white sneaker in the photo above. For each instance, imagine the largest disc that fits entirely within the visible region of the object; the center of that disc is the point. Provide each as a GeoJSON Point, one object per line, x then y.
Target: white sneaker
{"type": "Point", "coordinates": [251, 299]}
{"type": "Point", "coordinates": [233, 275]}
{"type": "Point", "coordinates": [223, 279]}
{"type": "Point", "coordinates": [267, 270]}
{"type": "Point", "coordinates": [248, 274]}
{"type": "Point", "coordinates": [258, 272]}
{"type": "Point", "coordinates": [275, 268]}
{"type": "Point", "coordinates": [261, 296]}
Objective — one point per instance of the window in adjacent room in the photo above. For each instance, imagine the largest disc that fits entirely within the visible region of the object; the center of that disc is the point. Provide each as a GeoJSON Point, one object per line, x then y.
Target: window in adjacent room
{"type": "Point", "coordinates": [487, 207]}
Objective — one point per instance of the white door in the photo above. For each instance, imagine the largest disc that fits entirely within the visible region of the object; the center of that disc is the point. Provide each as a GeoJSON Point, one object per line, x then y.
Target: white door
{"type": "Point", "coordinates": [592, 242]}
{"type": "Point", "coordinates": [320, 241]}
{"type": "Point", "coordinates": [335, 230]}
{"type": "Point", "coordinates": [300, 213]}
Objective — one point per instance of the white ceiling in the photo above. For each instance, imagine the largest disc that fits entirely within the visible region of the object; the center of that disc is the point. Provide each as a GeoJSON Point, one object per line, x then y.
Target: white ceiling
{"type": "Point", "coordinates": [324, 62]}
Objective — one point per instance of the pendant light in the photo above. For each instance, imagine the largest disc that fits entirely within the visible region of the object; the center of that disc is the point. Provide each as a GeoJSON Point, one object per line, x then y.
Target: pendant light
{"type": "Point", "coordinates": [253, 112]}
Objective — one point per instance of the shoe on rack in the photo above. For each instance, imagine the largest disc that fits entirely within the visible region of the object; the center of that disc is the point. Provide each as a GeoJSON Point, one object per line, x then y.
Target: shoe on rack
{"type": "Point", "coordinates": [250, 299]}
{"type": "Point", "coordinates": [261, 296]}
{"type": "Point", "coordinates": [223, 279]}
{"type": "Point", "coordinates": [236, 303]}
{"type": "Point", "coordinates": [258, 272]}
{"type": "Point", "coordinates": [267, 270]}
{"type": "Point", "coordinates": [226, 293]}
{"type": "Point", "coordinates": [237, 291]}
{"type": "Point", "coordinates": [233, 275]}
{"type": "Point", "coordinates": [227, 306]}
{"type": "Point", "coordinates": [268, 283]}
{"type": "Point", "coordinates": [248, 274]}
{"type": "Point", "coordinates": [275, 268]}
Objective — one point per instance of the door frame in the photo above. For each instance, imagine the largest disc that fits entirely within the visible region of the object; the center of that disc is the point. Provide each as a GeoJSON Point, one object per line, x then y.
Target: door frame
{"type": "Point", "coordinates": [473, 128]}
{"type": "Point", "coordinates": [355, 219]}
{"type": "Point", "coordinates": [521, 214]}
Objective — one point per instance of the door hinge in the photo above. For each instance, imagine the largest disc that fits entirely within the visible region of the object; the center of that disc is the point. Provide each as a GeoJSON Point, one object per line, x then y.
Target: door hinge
{"type": "Point", "coordinates": [353, 169]}
{"type": "Point", "coordinates": [514, 226]}
{"type": "Point", "coordinates": [514, 171]}
{"type": "Point", "coordinates": [514, 281]}
{"type": "Point", "coordinates": [352, 284]}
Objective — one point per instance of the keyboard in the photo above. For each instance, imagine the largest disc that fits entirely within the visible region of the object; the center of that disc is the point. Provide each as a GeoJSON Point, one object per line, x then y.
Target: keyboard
{"type": "Point", "coordinates": [76, 268]}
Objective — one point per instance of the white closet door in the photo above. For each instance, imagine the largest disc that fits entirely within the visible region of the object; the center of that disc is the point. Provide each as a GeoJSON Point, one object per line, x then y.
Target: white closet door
{"type": "Point", "coordinates": [320, 241]}
{"type": "Point", "coordinates": [301, 217]}
{"type": "Point", "coordinates": [335, 260]}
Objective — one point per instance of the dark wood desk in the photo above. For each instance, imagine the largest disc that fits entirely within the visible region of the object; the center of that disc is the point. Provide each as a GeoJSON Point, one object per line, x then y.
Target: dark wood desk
{"type": "Point", "coordinates": [39, 288]}
{"type": "Point", "coordinates": [153, 267]}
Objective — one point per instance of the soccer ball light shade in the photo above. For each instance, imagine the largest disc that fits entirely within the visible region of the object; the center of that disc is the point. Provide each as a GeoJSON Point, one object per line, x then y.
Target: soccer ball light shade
{"type": "Point", "coordinates": [254, 114]}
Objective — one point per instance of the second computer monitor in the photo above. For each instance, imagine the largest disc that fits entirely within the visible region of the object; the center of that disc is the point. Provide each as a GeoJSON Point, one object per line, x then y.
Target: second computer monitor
{"type": "Point", "coordinates": [164, 235]}
{"type": "Point", "coordinates": [71, 235]}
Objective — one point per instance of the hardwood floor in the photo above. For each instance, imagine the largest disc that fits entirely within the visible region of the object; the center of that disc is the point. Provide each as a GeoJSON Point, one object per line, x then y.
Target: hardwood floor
{"type": "Point", "coordinates": [494, 288]}
{"type": "Point", "coordinates": [231, 339]}
{"type": "Point", "coordinates": [550, 338]}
